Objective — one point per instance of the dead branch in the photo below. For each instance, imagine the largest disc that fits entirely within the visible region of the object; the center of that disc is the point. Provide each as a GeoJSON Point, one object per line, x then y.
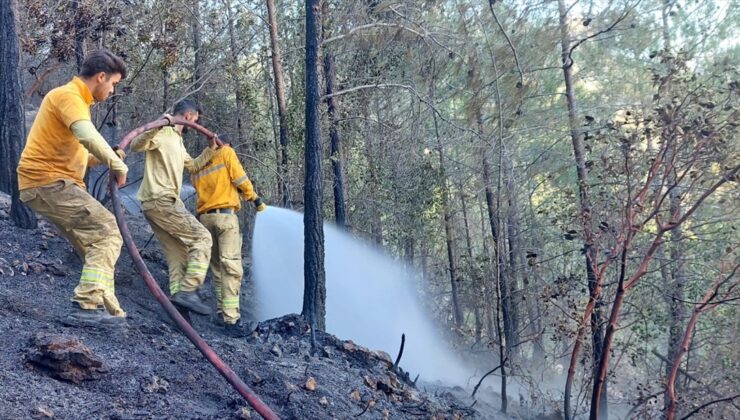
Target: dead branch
{"type": "Point", "coordinates": [486, 375]}
{"type": "Point", "coordinates": [400, 352]}
{"type": "Point", "coordinates": [603, 31]}
{"type": "Point", "coordinates": [41, 79]}
{"type": "Point", "coordinates": [371, 26]}
{"type": "Point", "coordinates": [705, 405]}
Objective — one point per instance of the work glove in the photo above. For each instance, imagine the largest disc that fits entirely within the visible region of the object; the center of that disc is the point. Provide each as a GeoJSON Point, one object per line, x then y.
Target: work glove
{"type": "Point", "coordinates": [260, 205]}
{"type": "Point", "coordinates": [121, 154]}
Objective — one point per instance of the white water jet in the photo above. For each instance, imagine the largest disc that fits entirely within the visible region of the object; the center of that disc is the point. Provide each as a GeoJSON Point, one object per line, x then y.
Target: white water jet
{"type": "Point", "coordinates": [369, 296]}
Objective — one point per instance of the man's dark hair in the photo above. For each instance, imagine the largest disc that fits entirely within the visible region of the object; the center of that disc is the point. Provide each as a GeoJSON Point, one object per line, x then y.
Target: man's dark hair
{"type": "Point", "coordinates": [102, 60]}
{"type": "Point", "coordinates": [184, 106]}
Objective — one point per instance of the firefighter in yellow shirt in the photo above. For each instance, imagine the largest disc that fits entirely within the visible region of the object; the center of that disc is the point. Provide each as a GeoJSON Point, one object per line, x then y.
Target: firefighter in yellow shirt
{"type": "Point", "coordinates": [61, 144]}
{"type": "Point", "coordinates": [221, 185]}
{"type": "Point", "coordinates": [185, 242]}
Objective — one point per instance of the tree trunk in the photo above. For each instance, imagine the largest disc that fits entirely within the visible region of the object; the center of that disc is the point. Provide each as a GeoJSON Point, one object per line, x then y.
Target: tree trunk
{"type": "Point", "coordinates": [516, 268]}
{"type": "Point", "coordinates": [197, 44]}
{"type": "Point", "coordinates": [79, 35]}
{"type": "Point", "coordinates": [597, 321]}
{"type": "Point", "coordinates": [505, 334]}
{"type": "Point", "coordinates": [475, 286]}
{"type": "Point", "coordinates": [676, 282]}
{"type": "Point", "coordinates": [456, 310]}
{"type": "Point", "coordinates": [314, 296]}
{"type": "Point", "coordinates": [274, 125]}
{"type": "Point", "coordinates": [336, 154]}
{"type": "Point", "coordinates": [165, 89]}
{"type": "Point", "coordinates": [12, 122]}
{"type": "Point", "coordinates": [240, 110]}
{"type": "Point", "coordinates": [337, 157]}
{"type": "Point", "coordinates": [277, 69]}
{"type": "Point", "coordinates": [373, 183]}
{"type": "Point", "coordinates": [488, 289]}
{"type": "Point", "coordinates": [506, 283]}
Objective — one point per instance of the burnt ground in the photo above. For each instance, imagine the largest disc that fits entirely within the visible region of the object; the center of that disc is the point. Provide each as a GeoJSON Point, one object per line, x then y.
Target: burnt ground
{"type": "Point", "coordinates": [152, 371]}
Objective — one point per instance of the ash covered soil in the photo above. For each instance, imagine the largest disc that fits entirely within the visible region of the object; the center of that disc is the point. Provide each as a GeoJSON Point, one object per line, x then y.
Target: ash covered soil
{"type": "Point", "coordinates": [151, 370]}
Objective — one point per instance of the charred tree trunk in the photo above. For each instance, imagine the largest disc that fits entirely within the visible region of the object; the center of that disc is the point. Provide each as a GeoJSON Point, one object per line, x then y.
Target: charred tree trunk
{"type": "Point", "coordinates": [277, 69]}
{"type": "Point", "coordinates": [12, 123]}
{"type": "Point", "coordinates": [595, 300]}
{"type": "Point", "coordinates": [314, 295]}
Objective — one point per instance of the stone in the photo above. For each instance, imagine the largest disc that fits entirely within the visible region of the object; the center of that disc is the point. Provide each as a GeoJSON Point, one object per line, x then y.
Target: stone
{"type": "Point", "coordinates": [36, 267]}
{"type": "Point", "coordinates": [5, 268]}
{"type": "Point", "coordinates": [276, 351]}
{"type": "Point", "coordinates": [58, 269]}
{"type": "Point", "coordinates": [156, 385]}
{"type": "Point", "coordinates": [372, 383]}
{"type": "Point", "coordinates": [311, 383]}
{"type": "Point", "coordinates": [43, 411]}
{"type": "Point", "coordinates": [354, 395]}
{"type": "Point", "coordinates": [244, 413]}
{"type": "Point", "coordinates": [64, 357]}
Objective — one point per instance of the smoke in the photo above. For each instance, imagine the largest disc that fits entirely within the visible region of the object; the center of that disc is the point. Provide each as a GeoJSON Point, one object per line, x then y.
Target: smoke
{"type": "Point", "coordinates": [370, 298]}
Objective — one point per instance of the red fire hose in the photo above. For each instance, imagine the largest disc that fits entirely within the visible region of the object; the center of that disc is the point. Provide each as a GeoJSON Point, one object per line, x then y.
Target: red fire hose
{"type": "Point", "coordinates": [188, 330]}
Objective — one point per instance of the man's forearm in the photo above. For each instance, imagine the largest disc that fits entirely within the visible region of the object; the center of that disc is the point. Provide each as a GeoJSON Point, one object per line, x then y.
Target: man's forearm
{"type": "Point", "coordinates": [89, 137]}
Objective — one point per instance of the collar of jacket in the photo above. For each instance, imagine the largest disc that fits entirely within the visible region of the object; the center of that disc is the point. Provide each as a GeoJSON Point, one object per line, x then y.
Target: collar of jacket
{"type": "Point", "coordinates": [83, 89]}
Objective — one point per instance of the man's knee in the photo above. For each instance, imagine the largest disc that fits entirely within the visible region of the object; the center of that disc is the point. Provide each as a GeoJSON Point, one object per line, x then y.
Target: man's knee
{"type": "Point", "coordinates": [109, 229]}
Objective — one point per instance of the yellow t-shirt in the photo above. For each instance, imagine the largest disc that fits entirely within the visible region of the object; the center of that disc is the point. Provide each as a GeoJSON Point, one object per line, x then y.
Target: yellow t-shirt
{"type": "Point", "coordinates": [52, 152]}
{"type": "Point", "coordinates": [219, 183]}
{"type": "Point", "coordinates": [166, 158]}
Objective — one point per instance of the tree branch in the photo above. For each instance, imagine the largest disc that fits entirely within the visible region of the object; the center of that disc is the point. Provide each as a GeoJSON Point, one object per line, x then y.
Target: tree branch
{"type": "Point", "coordinates": [511, 45]}
{"type": "Point", "coordinates": [705, 405]}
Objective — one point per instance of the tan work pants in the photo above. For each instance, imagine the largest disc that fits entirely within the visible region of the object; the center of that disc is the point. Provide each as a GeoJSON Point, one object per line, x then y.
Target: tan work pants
{"type": "Point", "coordinates": [226, 262]}
{"type": "Point", "coordinates": [185, 242]}
{"type": "Point", "coordinates": [93, 232]}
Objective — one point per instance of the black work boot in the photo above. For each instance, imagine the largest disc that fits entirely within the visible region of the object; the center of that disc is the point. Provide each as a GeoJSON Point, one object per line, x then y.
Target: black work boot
{"type": "Point", "coordinates": [93, 318]}
{"type": "Point", "coordinates": [238, 329]}
{"type": "Point", "coordinates": [218, 320]}
{"type": "Point", "coordinates": [192, 301]}
{"type": "Point", "coordinates": [185, 312]}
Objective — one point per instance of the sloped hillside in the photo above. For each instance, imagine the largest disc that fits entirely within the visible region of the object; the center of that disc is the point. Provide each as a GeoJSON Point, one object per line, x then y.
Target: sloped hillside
{"type": "Point", "coordinates": [150, 370]}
